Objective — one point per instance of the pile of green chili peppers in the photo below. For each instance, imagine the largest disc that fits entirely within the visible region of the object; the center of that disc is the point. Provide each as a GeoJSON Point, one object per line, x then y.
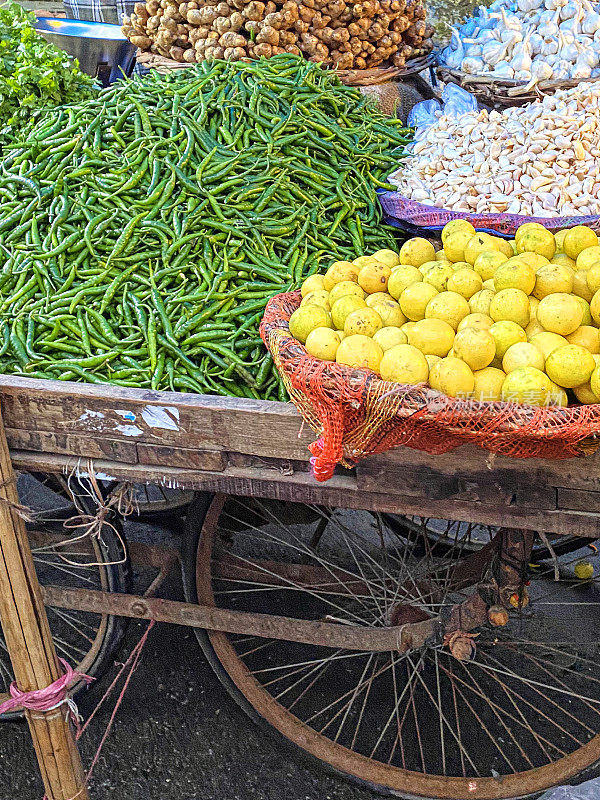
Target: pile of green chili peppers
{"type": "Point", "coordinates": [142, 232]}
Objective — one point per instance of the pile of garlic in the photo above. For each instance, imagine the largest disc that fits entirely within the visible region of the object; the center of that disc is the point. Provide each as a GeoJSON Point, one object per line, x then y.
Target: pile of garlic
{"type": "Point", "coordinates": [537, 160]}
{"type": "Point", "coordinates": [529, 40]}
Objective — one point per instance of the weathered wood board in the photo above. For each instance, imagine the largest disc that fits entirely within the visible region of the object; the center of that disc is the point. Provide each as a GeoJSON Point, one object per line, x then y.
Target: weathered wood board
{"type": "Point", "coordinates": [260, 448]}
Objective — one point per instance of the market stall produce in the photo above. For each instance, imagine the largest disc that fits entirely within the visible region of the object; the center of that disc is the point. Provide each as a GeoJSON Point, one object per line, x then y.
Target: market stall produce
{"type": "Point", "coordinates": [341, 33]}
{"type": "Point", "coordinates": [34, 74]}
{"type": "Point", "coordinates": [529, 41]}
{"type": "Point", "coordinates": [147, 228]}
{"type": "Point", "coordinates": [472, 321]}
{"type": "Point", "coordinates": [540, 160]}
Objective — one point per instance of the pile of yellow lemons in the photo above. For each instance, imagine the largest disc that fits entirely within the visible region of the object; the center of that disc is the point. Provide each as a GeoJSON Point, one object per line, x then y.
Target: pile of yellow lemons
{"type": "Point", "coordinates": [481, 318]}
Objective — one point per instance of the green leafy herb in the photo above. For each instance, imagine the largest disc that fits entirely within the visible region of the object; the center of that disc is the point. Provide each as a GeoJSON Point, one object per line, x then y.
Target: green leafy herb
{"type": "Point", "coordinates": [34, 74]}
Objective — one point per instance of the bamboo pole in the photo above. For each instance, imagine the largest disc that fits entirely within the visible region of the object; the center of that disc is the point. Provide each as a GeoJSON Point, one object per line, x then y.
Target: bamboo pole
{"type": "Point", "coordinates": [30, 646]}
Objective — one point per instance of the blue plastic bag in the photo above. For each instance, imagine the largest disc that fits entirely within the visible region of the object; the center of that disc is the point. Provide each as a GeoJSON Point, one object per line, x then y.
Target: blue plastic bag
{"type": "Point", "coordinates": [455, 101]}
{"type": "Point", "coordinates": [590, 790]}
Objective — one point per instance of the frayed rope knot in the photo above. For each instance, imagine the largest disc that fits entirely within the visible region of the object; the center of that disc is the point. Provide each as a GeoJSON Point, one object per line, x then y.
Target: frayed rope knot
{"type": "Point", "coordinates": [53, 696]}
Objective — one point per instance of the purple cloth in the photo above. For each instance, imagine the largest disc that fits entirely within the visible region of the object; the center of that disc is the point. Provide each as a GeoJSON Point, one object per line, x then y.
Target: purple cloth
{"type": "Point", "coordinates": [404, 213]}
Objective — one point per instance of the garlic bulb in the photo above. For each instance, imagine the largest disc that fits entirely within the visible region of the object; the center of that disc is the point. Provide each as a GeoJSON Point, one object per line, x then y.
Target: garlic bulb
{"type": "Point", "coordinates": [532, 40]}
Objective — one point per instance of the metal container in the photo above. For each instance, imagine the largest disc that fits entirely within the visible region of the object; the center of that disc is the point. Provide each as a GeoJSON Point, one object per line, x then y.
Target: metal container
{"type": "Point", "coordinates": [101, 49]}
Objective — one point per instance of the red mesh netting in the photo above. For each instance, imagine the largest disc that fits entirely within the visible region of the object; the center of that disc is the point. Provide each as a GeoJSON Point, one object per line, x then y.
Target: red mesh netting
{"type": "Point", "coordinates": [357, 414]}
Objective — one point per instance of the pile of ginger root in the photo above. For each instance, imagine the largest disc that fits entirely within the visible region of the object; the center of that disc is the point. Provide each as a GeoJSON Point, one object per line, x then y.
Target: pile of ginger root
{"type": "Point", "coordinates": [338, 33]}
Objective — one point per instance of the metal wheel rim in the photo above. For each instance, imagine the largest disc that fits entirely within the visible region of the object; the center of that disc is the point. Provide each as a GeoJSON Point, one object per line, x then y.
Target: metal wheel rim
{"type": "Point", "coordinates": [391, 778]}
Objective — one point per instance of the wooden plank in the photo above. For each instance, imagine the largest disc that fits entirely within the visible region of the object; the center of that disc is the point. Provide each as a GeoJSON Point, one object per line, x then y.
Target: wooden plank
{"type": "Point", "coordinates": [341, 491]}
{"type": "Point", "coordinates": [162, 455]}
{"type": "Point", "coordinates": [73, 445]}
{"type": "Point", "coordinates": [478, 466]}
{"type": "Point", "coordinates": [578, 500]}
{"type": "Point", "coordinates": [257, 427]}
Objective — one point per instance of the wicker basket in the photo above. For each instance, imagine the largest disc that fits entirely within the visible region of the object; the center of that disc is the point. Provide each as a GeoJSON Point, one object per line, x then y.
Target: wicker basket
{"type": "Point", "coordinates": [502, 93]}
{"type": "Point", "coordinates": [351, 77]}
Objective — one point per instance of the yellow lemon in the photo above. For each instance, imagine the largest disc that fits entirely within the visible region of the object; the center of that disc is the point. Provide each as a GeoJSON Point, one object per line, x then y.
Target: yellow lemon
{"type": "Point", "coordinates": [476, 347]}
{"type": "Point", "coordinates": [455, 243]}
{"type": "Point", "coordinates": [431, 360]}
{"type": "Point", "coordinates": [560, 313]}
{"type": "Point", "coordinates": [312, 284]}
{"type": "Point", "coordinates": [340, 271]}
{"type": "Point", "coordinates": [465, 282]}
{"type": "Point", "coordinates": [407, 328]}
{"type": "Point", "coordinates": [414, 299]}
{"type": "Point", "coordinates": [584, 570]}
{"type": "Point", "coordinates": [533, 304]}
{"type": "Point", "coordinates": [441, 256]}
{"type": "Point", "coordinates": [570, 366]}
{"type": "Point", "coordinates": [546, 342]}
{"type": "Point", "coordinates": [559, 238]}
{"type": "Point", "coordinates": [535, 260]}
{"type": "Point", "coordinates": [585, 307]}
{"type": "Point", "coordinates": [317, 298]}
{"type": "Point", "coordinates": [401, 278]}
{"type": "Point", "coordinates": [533, 328]}
{"type": "Point", "coordinates": [580, 285]}
{"type": "Point", "coordinates": [511, 304]}
{"type": "Point", "coordinates": [432, 337]}
{"type": "Point", "coordinates": [595, 380]}
{"type": "Point", "coordinates": [488, 384]}
{"type": "Point", "coordinates": [481, 301]}
{"type": "Point", "coordinates": [452, 377]}
{"type": "Point", "coordinates": [526, 385]}
{"type": "Point", "coordinates": [323, 343]}
{"type": "Point", "coordinates": [489, 285]}
{"type": "Point", "coordinates": [374, 277]}
{"type": "Point", "coordinates": [504, 246]}
{"type": "Point", "coordinates": [578, 239]}
{"type": "Point", "coordinates": [585, 394]}
{"type": "Point", "coordinates": [404, 364]}
{"type": "Point", "coordinates": [390, 313]}
{"type": "Point", "coordinates": [344, 306]}
{"type": "Point", "coordinates": [456, 225]}
{"type": "Point", "coordinates": [505, 334]}
{"type": "Point", "coordinates": [438, 274]}
{"type": "Point", "coordinates": [305, 319]}
{"type": "Point", "coordinates": [363, 261]}
{"type": "Point", "coordinates": [449, 306]}
{"type": "Point", "coordinates": [360, 352]}
{"type": "Point", "coordinates": [387, 257]}
{"type": "Point", "coordinates": [586, 336]}
{"type": "Point", "coordinates": [378, 298]}
{"type": "Point", "coordinates": [417, 251]}
{"type": "Point", "coordinates": [488, 262]}
{"type": "Point", "coordinates": [364, 321]}
{"type": "Point", "coordinates": [514, 275]}
{"type": "Point", "coordinates": [595, 308]}
{"type": "Point", "coordinates": [564, 260]}
{"type": "Point", "coordinates": [536, 241]}
{"type": "Point", "coordinates": [593, 278]}
{"type": "Point", "coordinates": [343, 289]}
{"type": "Point", "coordinates": [341, 334]}
{"type": "Point", "coordinates": [557, 396]}
{"type": "Point", "coordinates": [480, 321]}
{"type": "Point", "coordinates": [522, 354]}
{"type": "Point", "coordinates": [424, 268]}
{"type": "Point", "coordinates": [551, 278]}
{"type": "Point", "coordinates": [388, 337]}
{"type": "Point", "coordinates": [527, 226]}
{"type": "Point", "coordinates": [461, 265]}
{"type": "Point", "coordinates": [476, 245]}
{"type": "Point", "coordinates": [587, 258]}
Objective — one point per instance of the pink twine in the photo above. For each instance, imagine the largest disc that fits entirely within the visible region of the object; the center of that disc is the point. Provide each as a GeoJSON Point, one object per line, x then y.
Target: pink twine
{"type": "Point", "coordinates": [46, 699]}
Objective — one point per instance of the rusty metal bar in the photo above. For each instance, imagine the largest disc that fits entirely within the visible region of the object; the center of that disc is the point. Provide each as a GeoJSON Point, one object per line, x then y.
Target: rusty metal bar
{"type": "Point", "coordinates": [268, 626]}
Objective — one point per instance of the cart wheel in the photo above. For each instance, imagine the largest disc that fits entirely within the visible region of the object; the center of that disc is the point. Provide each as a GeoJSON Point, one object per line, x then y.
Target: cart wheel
{"type": "Point", "coordinates": [446, 533]}
{"type": "Point", "coordinates": [87, 641]}
{"type": "Point", "coordinates": [522, 715]}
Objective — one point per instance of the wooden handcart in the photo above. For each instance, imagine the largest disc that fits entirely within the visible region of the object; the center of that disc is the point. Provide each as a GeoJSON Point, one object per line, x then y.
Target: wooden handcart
{"type": "Point", "coordinates": [372, 642]}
